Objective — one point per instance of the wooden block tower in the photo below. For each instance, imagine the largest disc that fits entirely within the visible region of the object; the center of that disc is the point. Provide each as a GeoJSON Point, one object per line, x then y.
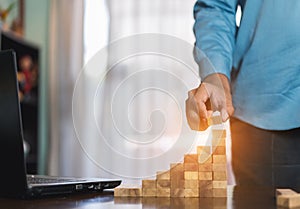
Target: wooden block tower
{"type": "Point", "coordinates": [203, 174]}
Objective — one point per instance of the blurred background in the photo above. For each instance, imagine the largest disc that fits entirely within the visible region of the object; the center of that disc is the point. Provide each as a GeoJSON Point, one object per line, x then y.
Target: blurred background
{"type": "Point", "coordinates": [122, 138]}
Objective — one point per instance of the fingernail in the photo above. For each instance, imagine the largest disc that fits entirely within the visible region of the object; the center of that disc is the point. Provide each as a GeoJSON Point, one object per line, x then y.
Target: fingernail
{"type": "Point", "coordinates": [225, 115]}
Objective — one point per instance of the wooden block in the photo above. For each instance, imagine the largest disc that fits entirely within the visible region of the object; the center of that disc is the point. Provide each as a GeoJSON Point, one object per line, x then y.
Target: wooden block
{"type": "Point", "coordinates": [219, 159]}
{"type": "Point", "coordinates": [205, 175]}
{"type": "Point", "coordinates": [219, 167]}
{"type": "Point", "coordinates": [191, 184]}
{"type": "Point", "coordinates": [203, 149]}
{"type": "Point", "coordinates": [162, 183]}
{"type": "Point", "coordinates": [191, 166]}
{"type": "Point", "coordinates": [219, 184]}
{"type": "Point", "coordinates": [123, 191]}
{"type": "Point", "coordinates": [219, 150]}
{"type": "Point", "coordinates": [204, 154]}
{"type": "Point", "coordinates": [191, 175]}
{"type": "Point", "coordinates": [164, 175]}
{"type": "Point", "coordinates": [284, 192]}
{"type": "Point", "coordinates": [178, 192]}
{"type": "Point", "coordinates": [214, 120]}
{"type": "Point", "coordinates": [205, 188]}
{"type": "Point", "coordinates": [204, 158]}
{"type": "Point", "coordinates": [163, 192]}
{"type": "Point", "coordinates": [149, 192]}
{"type": "Point", "coordinates": [219, 142]}
{"type": "Point", "coordinates": [177, 183]}
{"type": "Point", "coordinates": [191, 192]}
{"type": "Point", "coordinates": [177, 175]}
{"type": "Point", "coordinates": [218, 133]}
{"type": "Point", "coordinates": [288, 201]}
{"type": "Point", "coordinates": [176, 167]}
{"type": "Point", "coordinates": [219, 192]}
{"type": "Point", "coordinates": [205, 184]}
{"type": "Point", "coordinates": [191, 158]}
{"type": "Point", "coordinates": [206, 193]}
{"type": "Point", "coordinates": [220, 176]}
{"type": "Point", "coordinates": [205, 167]}
{"type": "Point", "coordinates": [147, 183]}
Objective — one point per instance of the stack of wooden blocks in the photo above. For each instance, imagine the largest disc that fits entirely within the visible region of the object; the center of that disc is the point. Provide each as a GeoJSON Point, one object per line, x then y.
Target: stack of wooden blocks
{"type": "Point", "coordinates": [203, 174]}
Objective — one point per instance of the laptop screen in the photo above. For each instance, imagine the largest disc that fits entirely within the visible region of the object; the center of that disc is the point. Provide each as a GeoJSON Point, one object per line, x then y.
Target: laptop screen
{"type": "Point", "coordinates": [27, 59]}
{"type": "Point", "coordinates": [13, 172]}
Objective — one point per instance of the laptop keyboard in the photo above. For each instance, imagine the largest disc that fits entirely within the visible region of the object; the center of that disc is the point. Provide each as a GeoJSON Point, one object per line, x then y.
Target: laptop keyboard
{"type": "Point", "coordinates": [45, 180]}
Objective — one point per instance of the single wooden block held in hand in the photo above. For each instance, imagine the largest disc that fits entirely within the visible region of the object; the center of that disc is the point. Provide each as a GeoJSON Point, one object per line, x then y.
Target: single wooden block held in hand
{"type": "Point", "coordinates": [214, 120]}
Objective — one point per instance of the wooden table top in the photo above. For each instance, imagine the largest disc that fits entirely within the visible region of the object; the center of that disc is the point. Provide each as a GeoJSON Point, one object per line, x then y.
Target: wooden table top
{"type": "Point", "coordinates": [238, 198]}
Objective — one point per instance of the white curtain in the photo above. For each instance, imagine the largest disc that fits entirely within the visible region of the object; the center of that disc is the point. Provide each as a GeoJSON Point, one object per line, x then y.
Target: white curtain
{"type": "Point", "coordinates": [67, 157]}
{"type": "Point", "coordinates": [65, 62]}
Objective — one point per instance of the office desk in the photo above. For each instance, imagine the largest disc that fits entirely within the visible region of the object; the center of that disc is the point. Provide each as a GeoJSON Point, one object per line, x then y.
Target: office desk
{"type": "Point", "coordinates": [238, 198]}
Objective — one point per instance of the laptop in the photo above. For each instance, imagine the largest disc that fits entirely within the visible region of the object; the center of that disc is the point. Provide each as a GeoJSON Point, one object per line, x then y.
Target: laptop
{"type": "Point", "coordinates": [15, 182]}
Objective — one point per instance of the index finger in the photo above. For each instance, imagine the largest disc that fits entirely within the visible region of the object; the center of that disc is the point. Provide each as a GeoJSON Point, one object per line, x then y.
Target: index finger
{"type": "Point", "coordinates": [202, 97]}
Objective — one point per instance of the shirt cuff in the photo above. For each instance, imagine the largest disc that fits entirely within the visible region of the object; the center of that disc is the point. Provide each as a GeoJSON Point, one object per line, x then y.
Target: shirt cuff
{"type": "Point", "coordinates": [216, 64]}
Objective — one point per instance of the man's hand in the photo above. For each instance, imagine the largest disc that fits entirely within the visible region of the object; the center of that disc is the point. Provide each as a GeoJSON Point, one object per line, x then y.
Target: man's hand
{"type": "Point", "coordinates": [213, 94]}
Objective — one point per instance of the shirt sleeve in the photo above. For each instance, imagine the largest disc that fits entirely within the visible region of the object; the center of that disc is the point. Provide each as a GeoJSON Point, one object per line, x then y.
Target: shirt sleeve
{"type": "Point", "coordinates": [214, 29]}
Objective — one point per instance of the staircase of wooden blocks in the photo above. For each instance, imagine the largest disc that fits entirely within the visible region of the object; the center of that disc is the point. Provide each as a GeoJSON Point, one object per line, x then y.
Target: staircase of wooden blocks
{"type": "Point", "coordinates": [203, 174]}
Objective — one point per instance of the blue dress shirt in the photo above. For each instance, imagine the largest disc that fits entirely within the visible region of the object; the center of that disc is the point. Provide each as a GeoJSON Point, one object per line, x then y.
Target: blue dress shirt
{"type": "Point", "coordinates": [261, 57]}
